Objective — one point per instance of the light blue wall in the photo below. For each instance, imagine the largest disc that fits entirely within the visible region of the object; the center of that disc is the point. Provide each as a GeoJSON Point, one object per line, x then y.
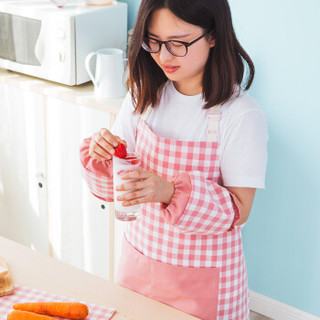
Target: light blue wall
{"type": "Point", "coordinates": [133, 6]}
{"type": "Point", "coordinates": [282, 238]}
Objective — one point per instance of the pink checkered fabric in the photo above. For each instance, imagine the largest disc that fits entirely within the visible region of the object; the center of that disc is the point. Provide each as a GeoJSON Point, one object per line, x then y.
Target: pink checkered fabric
{"type": "Point", "coordinates": [24, 294]}
{"type": "Point", "coordinates": [99, 184]}
{"type": "Point", "coordinates": [197, 216]}
{"type": "Point", "coordinates": [205, 235]}
{"type": "Point", "coordinates": [200, 238]}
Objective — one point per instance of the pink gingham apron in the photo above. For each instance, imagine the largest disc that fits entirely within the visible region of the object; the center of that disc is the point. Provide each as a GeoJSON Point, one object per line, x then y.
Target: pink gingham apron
{"type": "Point", "coordinates": [200, 274]}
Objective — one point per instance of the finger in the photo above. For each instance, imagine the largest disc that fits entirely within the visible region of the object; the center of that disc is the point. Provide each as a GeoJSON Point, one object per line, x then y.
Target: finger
{"type": "Point", "coordinates": [139, 174]}
{"type": "Point", "coordinates": [98, 157]}
{"type": "Point", "coordinates": [95, 156]}
{"type": "Point", "coordinates": [121, 141]}
{"type": "Point", "coordinates": [130, 186]}
{"type": "Point", "coordinates": [136, 196]}
{"type": "Point", "coordinates": [135, 201]}
{"type": "Point", "coordinates": [100, 151]}
{"type": "Point", "coordinates": [99, 141]}
{"type": "Point", "coordinates": [109, 137]}
{"type": "Point", "coordinates": [131, 175]}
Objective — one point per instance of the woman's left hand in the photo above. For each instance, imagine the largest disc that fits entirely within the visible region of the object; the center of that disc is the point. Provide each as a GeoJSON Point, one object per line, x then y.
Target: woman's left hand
{"type": "Point", "coordinates": [149, 187]}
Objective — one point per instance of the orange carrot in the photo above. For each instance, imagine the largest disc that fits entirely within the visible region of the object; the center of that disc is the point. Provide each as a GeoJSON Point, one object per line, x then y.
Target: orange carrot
{"type": "Point", "coordinates": [69, 310]}
{"type": "Point", "coordinates": [26, 315]}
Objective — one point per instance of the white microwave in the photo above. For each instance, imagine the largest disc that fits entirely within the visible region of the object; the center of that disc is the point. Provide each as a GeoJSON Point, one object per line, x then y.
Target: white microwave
{"type": "Point", "coordinates": [41, 40]}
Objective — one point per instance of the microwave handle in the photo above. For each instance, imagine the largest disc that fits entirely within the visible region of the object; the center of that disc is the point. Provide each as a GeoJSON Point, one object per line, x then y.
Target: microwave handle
{"type": "Point", "coordinates": [39, 48]}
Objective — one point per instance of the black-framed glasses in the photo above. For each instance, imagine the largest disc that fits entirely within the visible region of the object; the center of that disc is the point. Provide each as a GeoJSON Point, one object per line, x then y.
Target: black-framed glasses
{"type": "Point", "coordinates": [175, 47]}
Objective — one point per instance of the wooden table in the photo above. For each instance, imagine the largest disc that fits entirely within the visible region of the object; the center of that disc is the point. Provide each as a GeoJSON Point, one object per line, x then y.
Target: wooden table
{"type": "Point", "coordinates": [33, 269]}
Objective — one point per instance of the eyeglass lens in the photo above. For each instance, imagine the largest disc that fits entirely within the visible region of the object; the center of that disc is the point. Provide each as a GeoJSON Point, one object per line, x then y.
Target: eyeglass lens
{"type": "Point", "coordinates": [176, 48]}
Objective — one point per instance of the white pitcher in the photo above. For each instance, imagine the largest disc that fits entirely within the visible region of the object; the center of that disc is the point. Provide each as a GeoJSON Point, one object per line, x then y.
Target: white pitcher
{"type": "Point", "coordinates": [109, 79]}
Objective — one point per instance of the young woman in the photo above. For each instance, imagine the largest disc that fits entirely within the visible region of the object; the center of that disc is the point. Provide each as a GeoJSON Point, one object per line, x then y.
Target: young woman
{"type": "Point", "coordinates": [202, 141]}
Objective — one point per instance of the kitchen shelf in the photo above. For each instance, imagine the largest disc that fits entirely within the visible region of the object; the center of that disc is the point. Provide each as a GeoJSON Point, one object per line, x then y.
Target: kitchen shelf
{"type": "Point", "coordinates": [81, 94]}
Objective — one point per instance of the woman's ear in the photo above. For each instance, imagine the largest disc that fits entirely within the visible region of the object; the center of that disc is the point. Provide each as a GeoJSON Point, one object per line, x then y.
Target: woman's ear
{"type": "Point", "coordinates": [211, 39]}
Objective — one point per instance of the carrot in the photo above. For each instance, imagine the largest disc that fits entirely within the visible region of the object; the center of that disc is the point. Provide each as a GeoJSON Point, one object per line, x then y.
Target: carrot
{"type": "Point", "coordinates": [69, 310]}
{"type": "Point", "coordinates": [26, 315]}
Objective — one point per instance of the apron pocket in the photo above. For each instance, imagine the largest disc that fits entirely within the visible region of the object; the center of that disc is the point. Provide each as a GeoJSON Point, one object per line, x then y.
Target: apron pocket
{"type": "Point", "coordinates": [192, 290]}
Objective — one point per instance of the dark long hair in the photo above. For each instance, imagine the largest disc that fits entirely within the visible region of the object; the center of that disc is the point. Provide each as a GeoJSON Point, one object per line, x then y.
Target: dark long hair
{"type": "Point", "coordinates": [225, 66]}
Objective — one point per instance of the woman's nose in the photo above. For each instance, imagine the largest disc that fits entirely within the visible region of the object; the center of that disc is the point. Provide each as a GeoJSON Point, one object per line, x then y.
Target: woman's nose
{"type": "Point", "coordinates": [164, 54]}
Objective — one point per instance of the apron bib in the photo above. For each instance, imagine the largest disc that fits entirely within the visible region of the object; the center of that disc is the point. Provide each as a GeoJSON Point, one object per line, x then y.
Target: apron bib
{"type": "Point", "coordinates": [145, 264]}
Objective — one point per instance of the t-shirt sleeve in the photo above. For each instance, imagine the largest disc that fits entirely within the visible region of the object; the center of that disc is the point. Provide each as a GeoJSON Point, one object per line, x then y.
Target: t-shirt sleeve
{"type": "Point", "coordinates": [244, 157]}
{"type": "Point", "coordinates": [126, 123]}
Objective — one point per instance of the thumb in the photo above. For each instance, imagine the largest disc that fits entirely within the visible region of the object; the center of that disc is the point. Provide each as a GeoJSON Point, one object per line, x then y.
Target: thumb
{"type": "Point", "coordinates": [121, 141]}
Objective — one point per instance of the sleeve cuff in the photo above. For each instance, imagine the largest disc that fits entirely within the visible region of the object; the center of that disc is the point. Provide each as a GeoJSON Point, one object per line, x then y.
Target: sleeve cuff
{"type": "Point", "coordinates": [101, 168]}
{"type": "Point", "coordinates": [173, 211]}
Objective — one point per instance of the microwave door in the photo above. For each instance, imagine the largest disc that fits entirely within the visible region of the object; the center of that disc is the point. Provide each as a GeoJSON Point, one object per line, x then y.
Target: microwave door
{"type": "Point", "coordinates": [18, 39]}
{"type": "Point", "coordinates": [6, 38]}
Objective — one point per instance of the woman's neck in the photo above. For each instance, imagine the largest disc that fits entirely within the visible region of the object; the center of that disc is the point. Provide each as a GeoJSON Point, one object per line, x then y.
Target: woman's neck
{"type": "Point", "coordinates": [188, 88]}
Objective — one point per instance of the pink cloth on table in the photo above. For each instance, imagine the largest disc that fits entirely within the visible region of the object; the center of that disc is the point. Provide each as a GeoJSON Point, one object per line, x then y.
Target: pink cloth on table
{"type": "Point", "coordinates": [24, 294]}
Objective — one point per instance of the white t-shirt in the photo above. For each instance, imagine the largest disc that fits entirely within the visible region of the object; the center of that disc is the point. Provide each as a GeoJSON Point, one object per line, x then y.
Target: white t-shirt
{"type": "Point", "coordinates": [243, 132]}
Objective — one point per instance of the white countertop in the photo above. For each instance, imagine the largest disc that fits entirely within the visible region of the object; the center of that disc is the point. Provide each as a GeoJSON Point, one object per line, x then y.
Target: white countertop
{"type": "Point", "coordinates": [32, 269]}
{"type": "Point", "coordinates": [82, 94]}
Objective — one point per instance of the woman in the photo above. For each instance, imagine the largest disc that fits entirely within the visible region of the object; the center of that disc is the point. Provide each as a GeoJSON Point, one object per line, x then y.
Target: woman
{"type": "Point", "coordinates": [202, 141]}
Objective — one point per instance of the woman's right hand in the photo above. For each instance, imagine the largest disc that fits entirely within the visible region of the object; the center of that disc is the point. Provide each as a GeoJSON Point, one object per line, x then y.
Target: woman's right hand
{"type": "Point", "coordinates": [103, 143]}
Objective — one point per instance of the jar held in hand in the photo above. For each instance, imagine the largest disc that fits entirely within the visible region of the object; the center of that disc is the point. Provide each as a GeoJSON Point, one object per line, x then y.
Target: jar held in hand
{"type": "Point", "coordinates": [132, 162]}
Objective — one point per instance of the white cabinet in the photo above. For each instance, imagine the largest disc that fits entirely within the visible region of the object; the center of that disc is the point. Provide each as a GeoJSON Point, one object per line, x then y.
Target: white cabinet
{"type": "Point", "coordinates": [44, 202]}
{"type": "Point", "coordinates": [79, 223]}
{"type": "Point", "coordinates": [23, 168]}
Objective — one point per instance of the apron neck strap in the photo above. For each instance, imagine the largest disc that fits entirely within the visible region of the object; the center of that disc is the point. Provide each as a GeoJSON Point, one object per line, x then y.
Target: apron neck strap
{"type": "Point", "coordinates": [213, 119]}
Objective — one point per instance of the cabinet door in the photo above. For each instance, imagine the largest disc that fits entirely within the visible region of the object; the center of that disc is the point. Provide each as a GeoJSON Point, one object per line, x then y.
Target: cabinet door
{"type": "Point", "coordinates": [79, 223]}
{"type": "Point", "coordinates": [4, 210]}
{"type": "Point", "coordinates": [23, 190]}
